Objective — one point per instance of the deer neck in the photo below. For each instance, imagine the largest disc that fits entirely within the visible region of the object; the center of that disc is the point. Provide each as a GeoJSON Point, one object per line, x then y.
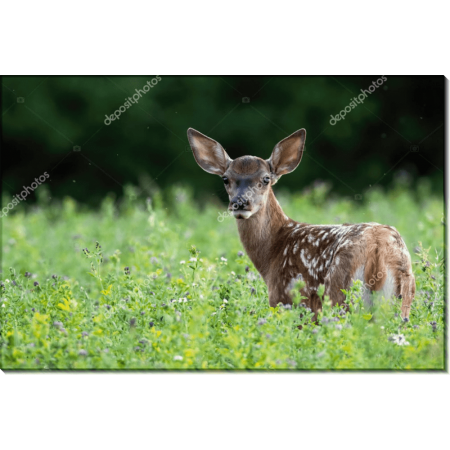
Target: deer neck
{"type": "Point", "coordinates": [258, 232]}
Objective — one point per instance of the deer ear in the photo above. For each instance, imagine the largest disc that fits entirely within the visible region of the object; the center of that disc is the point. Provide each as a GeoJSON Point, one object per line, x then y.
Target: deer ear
{"type": "Point", "coordinates": [208, 153]}
{"type": "Point", "coordinates": [287, 154]}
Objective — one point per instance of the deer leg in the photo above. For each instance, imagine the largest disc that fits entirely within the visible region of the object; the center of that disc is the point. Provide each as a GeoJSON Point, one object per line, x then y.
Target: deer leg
{"type": "Point", "coordinates": [407, 291]}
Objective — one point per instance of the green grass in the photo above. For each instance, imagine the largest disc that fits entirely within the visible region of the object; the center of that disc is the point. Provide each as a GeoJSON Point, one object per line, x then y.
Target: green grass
{"type": "Point", "coordinates": [87, 312]}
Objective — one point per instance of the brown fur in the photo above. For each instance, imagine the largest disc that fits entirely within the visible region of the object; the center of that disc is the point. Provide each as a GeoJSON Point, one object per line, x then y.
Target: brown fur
{"type": "Point", "coordinates": [284, 250]}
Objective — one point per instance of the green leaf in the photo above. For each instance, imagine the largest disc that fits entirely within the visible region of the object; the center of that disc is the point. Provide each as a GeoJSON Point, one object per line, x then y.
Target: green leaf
{"type": "Point", "coordinates": [367, 316]}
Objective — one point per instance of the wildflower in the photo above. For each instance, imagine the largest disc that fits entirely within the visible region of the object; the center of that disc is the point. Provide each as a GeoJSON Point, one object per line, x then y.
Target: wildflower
{"type": "Point", "coordinates": [405, 319]}
{"type": "Point", "coordinates": [182, 262]}
{"type": "Point", "coordinates": [398, 339]}
{"type": "Point", "coordinates": [142, 313]}
{"type": "Point", "coordinates": [151, 324]}
{"type": "Point", "coordinates": [338, 327]}
{"type": "Point", "coordinates": [193, 260]}
{"type": "Point", "coordinates": [132, 322]}
{"type": "Point", "coordinates": [84, 333]}
{"type": "Point", "coordinates": [252, 291]}
{"type": "Point", "coordinates": [54, 276]}
{"type": "Point", "coordinates": [314, 331]}
{"type": "Point", "coordinates": [223, 259]}
{"type": "Point", "coordinates": [83, 352]}
{"type": "Point", "coordinates": [154, 260]}
{"type": "Point", "coordinates": [108, 307]}
{"type": "Point", "coordinates": [240, 253]}
{"type": "Point", "coordinates": [233, 273]}
{"type": "Point", "coordinates": [225, 300]}
{"type": "Point", "coordinates": [178, 358]}
{"type": "Point", "coordinates": [416, 326]}
{"type": "Point", "coordinates": [127, 270]}
{"type": "Point", "coordinates": [382, 327]}
{"type": "Point", "coordinates": [35, 283]}
{"type": "Point", "coordinates": [57, 324]}
{"type": "Point", "coordinates": [287, 306]}
{"type": "Point", "coordinates": [261, 321]}
{"type": "Point", "coordinates": [27, 274]}
{"type": "Point", "coordinates": [247, 268]}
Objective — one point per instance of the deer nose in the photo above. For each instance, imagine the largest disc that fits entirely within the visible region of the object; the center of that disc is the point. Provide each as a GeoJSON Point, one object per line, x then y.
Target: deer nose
{"type": "Point", "coordinates": [238, 203]}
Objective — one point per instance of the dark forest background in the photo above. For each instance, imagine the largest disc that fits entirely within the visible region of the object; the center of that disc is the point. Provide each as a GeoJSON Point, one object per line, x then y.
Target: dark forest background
{"type": "Point", "coordinates": [56, 125]}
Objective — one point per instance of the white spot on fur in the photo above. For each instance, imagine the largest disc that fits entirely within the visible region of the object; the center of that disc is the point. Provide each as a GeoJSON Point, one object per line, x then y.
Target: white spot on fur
{"type": "Point", "coordinates": [388, 288]}
{"type": "Point", "coordinates": [304, 260]}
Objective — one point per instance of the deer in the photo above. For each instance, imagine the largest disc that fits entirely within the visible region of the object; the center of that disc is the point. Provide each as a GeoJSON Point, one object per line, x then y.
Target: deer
{"type": "Point", "coordinates": [285, 251]}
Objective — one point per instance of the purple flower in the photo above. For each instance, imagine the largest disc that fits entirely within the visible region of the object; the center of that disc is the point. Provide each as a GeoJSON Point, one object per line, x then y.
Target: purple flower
{"type": "Point", "coordinates": [83, 352]}
{"type": "Point", "coordinates": [240, 253]}
{"type": "Point", "coordinates": [84, 333]}
{"type": "Point", "coordinates": [35, 283]}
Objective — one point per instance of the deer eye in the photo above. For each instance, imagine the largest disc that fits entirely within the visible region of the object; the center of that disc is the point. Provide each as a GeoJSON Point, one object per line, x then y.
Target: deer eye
{"type": "Point", "coordinates": [266, 180]}
{"type": "Point", "coordinates": [225, 180]}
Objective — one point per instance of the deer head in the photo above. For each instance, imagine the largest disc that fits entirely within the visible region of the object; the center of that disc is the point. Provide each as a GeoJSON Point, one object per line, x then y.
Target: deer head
{"type": "Point", "coordinates": [248, 180]}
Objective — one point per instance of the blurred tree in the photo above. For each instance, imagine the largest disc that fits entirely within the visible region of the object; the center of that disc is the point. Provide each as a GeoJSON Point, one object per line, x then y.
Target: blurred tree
{"type": "Point", "coordinates": [57, 125]}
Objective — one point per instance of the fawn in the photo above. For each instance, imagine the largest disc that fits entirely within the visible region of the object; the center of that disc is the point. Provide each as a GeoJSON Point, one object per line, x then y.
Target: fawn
{"type": "Point", "coordinates": [284, 251]}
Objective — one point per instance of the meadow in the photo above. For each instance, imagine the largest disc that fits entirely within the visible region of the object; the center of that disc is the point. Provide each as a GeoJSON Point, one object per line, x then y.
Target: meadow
{"type": "Point", "coordinates": [161, 283]}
